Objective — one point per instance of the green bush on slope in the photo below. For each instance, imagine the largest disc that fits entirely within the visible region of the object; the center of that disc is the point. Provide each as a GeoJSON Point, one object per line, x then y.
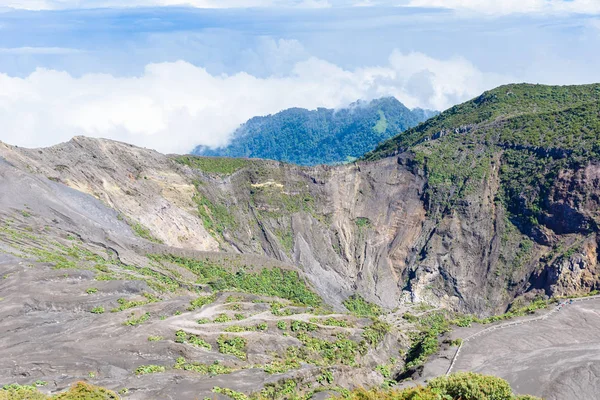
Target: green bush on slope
{"type": "Point", "coordinates": [461, 386]}
{"type": "Point", "coordinates": [79, 391]}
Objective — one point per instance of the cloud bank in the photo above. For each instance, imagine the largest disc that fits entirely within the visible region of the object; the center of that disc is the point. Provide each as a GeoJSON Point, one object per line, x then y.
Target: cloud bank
{"type": "Point", "coordinates": [172, 107]}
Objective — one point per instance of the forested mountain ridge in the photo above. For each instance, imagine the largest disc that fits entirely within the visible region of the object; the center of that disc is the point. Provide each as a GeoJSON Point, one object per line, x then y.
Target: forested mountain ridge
{"type": "Point", "coordinates": [321, 136]}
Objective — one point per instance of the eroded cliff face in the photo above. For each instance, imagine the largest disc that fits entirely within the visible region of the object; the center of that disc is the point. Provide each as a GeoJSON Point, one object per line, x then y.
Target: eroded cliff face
{"type": "Point", "coordinates": [365, 228]}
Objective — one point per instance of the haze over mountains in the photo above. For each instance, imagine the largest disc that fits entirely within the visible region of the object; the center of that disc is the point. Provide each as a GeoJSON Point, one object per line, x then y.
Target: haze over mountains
{"type": "Point", "coordinates": [321, 136]}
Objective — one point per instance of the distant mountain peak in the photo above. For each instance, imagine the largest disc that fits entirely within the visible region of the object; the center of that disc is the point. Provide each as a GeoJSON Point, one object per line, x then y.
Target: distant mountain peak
{"type": "Point", "coordinates": [321, 136]}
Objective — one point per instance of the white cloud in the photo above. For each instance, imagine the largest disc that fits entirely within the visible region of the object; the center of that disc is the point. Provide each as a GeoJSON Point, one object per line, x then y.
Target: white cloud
{"type": "Point", "coordinates": [505, 7]}
{"type": "Point", "coordinates": [73, 4]}
{"type": "Point", "coordinates": [174, 106]}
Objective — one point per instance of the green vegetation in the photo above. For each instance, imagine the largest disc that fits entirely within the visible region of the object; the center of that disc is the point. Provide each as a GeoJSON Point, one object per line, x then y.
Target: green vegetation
{"type": "Point", "coordinates": [531, 132]}
{"type": "Point", "coordinates": [125, 304]}
{"type": "Point", "coordinates": [215, 368]}
{"type": "Point", "coordinates": [331, 322]}
{"type": "Point", "coordinates": [222, 318]}
{"type": "Point", "coordinates": [384, 370]}
{"type": "Point", "coordinates": [213, 165]}
{"type": "Point", "coordinates": [362, 308]}
{"type": "Point", "coordinates": [280, 310]}
{"type": "Point", "coordinates": [461, 386]}
{"type": "Point", "coordinates": [133, 320]}
{"type": "Point", "coordinates": [537, 304]}
{"type": "Point", "coordinates": [98, 310]}
{"type": "Point", "coordinates": [282, 325]}
{"type": "Point", "coordinates": [141, 231]}
{"type": "Point", "coordinates": [79, 391]}
{"type": "Point", "coordinates": [323, 352]}
{"type": "Point", "coordinates": [322, 136]}
{"type": "Point", "coordinates": [149, 369]}
{"type": "Point", "coordinates": [269, 282]}
{"type": "Point", "coordinates": [509, 101]}
{"type": "Point", "coordinates": [326, 377]}
{"type": "Point", "coordinates": [230, 393]}
{"type": "Point", "coordinates": [155, 338]}
{"type": "Point", "coordinates": [297, 326]}
{"type": "Point", "coordinates": [248, 328]}
{"type": "Point", "coordinates": [375, 332]}
{"type": "Point", "coordinates": [201, 301]}
{"type": "Point", "coordinates": [91, 291]}
{"type": "Point", "coordinates": [236, 346]}
{"type": "Point", "coordinates": [362, 222]}
{"type": "Point", "coordinates": [182, 336]}
{"type": "Point", "coordinates": [425, 342]}
{"type": "Point", "coordinates": [280, 367]}
{"type": "Point", "coordinates": [216, 218]}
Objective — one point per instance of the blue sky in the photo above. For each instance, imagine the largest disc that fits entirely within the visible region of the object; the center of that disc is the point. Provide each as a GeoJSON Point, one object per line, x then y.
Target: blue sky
{"type": "Point", "coordinates": [170, 75]}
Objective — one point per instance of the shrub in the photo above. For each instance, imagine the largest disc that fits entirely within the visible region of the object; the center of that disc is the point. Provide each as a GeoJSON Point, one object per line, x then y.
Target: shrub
{"type": "Point", "coordinates": [149, 369]}
{"type": "Point", "coordinates": [133, 320]}
{"type": "Point", "coordinates": [213, 369]}
{"type": "Point", "coordinates": [221, 318]}
{"type": "Point", "coordinates": [182, 336]}
{"type": "Point", "coordinates": [303, 326]}
{"type": "Point", "coordinates": [362, 308]}
{"type": "Point", "coordinates": [232, 345]}
{"type": "Point", "coordinates": [375, 333]}
{"type": "Point", "coordinates": [461, 386]}
{"type": "Point", "coordinates": [201, 301]}
{"type": "Point", "coordinates": [230, 393]}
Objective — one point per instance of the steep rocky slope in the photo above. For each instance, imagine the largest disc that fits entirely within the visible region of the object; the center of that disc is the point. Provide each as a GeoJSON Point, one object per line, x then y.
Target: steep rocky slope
{"type": "Point", "coordinates": [84, 297]}
{"type": "Point", "coordinates": [464, 212]}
